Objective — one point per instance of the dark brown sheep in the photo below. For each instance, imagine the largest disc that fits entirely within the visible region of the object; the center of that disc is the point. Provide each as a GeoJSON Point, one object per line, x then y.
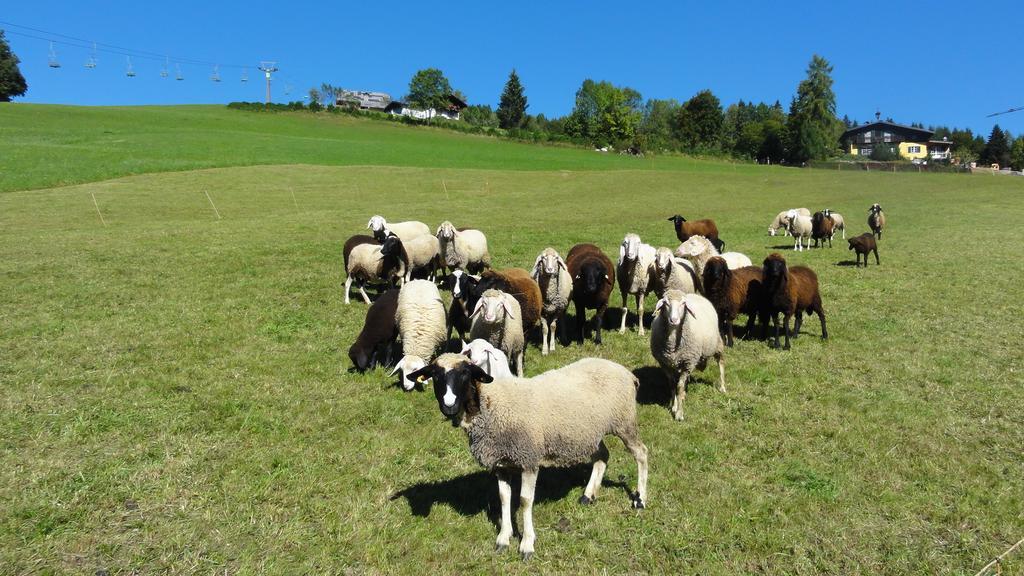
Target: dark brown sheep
{"type": "Point", "coordinates": [876, 220]}
{"type": "Point", "coordinates": [864, 244]}
{"type": "Point", "coordinates": [705, 228]}
{"type": "Point", "coordinates": [593, 277]}
{"type": "Point", "coordinates": [354, 241]}
{"type": "Point", "coordinates": [520, 285]}
{"type": "Point", "coordinates": [822, 228]}
{"type": "Point", "coordinates": [380, 331]}
{"type": "Point", "coordinates": [732, 292]}
{"type": "Point", "coordinates": [790, 291]}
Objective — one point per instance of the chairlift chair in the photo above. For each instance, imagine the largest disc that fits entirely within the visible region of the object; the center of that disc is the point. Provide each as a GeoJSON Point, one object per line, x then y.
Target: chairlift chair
{"type": "Point", "coordinates": [54, 63]}
{"type": "Point", "coordinates": [130, 72]}
{"type": "Point", "coordinates": [164, 72]}
{"type": "Point", "coordinates": [216, 74]}
{"type": "Point", "coordinates": [91, 62]}
{"type": "Point", "coordinates": [245, 74]}
{"type": "Point", "coordinates": [178, 76]}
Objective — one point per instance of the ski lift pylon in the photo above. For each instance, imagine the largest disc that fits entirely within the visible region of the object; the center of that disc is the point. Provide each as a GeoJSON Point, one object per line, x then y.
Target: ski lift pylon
{"type": "Point", "coordinates": [54, 63]}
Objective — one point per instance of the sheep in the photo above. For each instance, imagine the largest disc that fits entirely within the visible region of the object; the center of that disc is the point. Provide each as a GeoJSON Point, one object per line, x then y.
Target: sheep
{"type": "Point", "coordinates": [876, 220]}
{"type": "Point", "coordinates": [421, 325]}
{"type": "Point", "coordinates": [373, 345]}
{"type": "Point", "coordinates": [838, 223]}
{"type": "Point", "coordinates": [520, 285]}
{"type": "Point", "coordinates": [496, 320]}
{"type": "Point", "coordinates": [800, 227]}
{"type": "Point", "coordinates": [865, 244]}
{"type": "Point", "coordinates": [634, 272]}
{"type": "Point", "coordinates": [682, 346]}
{"type": "Point", "coordinates": [420, 255]}
{"type": "Point", "coordinates": [790, 292]}
{"type": "Point", "coordinates": [558, 418]}
{"type": "Point", "coordinates": [354, 241]}
{"type": "Point", "coordinates": [552, 277]}
{"type": "Point", "coordinates": [593, 278]}
{"type": "Point", "coordinates": [782, 220]}
{"type": "Point", "coordinates": [671, 273]}
{"type": "Point", "coordinates": [366, 263]}
{"type": "Point", "coordinates": [464, 248]}
{"type": "Point", "coordinates": [461, 285]}
{"type": "Point", "coordinates": [486, 356]}
{"type": "Point", "coordinates": [822, 228]}
{"type": "Point", "coordinates": [404, 230]}
{"type": "Point", "coordinates": [684, 229]}
{"type": "Point", "coordinates": [697, 249]}
{"type": "Point", "coordinates": [732, 292]}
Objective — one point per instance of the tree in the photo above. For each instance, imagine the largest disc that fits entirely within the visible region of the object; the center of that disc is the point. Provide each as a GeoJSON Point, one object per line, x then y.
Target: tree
{"type": "Point", "coordinates": [813, 127]}
{"type": "Point", "coordinates": [12, 83]}
{"type": "Point", "coordinates": [656, 126]}
{"type": "Point", "coordinates": [604, 114]}
{"type": "Point", "coordinates": [1017, 154]}
{"type": "Point", "coordinates": [428, 89]}
{"type": "Point", "coordinates": [997, 149]}
{"type": "Point", "coordinates": [512, 108]}
{"type": "Point", "coordinates": [479, 115]}
{"type": "Point", "coordinates": [315, 97]}
{"type": "Point", "coordinates": [699, 122]}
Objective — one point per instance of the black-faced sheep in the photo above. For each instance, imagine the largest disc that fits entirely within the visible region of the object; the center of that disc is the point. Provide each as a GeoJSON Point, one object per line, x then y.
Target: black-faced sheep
{"type": "Point", "coordinates": [876, 220]}
{"type": "Point", "coordinates": [496, 320]}
{"type": "Point", "coordinates": [821, 229]}
{"type": "Point", "coordinates": [464, 248]}
{"type": "Point", "coordinates": [732, 292]}
{"type": "Point", "coordinates": [684, 229]}
{"type": "Point", "coordinates": [682, 345]}
{"type": "Point", "coordinates": [461, 285]}
{"type": "Point", "coordinates": [552, 276]}
{"type": "Point", "coordinates": [634, 271]}
{"type": "Point", "coordinates": [367, 264]}
{"type": "Point", "coordinates": [374, 343]}
{"type": "Point", "coordinates": [864, 245]}
{"type": "Point", "coordinates": [404, 230]}
{"type": "Point", "coordinates": [558, 418]}
{"type": "Point", "coordinates": [593, 278]}
{"type": "Point", "coordinates": [421, 324]}
{"type": "Point", "coordinates": [520, 285]}
{"type": "Point", "coordinates": [421, 256]}
{"type": "Point", "coordinates": [790, 291]}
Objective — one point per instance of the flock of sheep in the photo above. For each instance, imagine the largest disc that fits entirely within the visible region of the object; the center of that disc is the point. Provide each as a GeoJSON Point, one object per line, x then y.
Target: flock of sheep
{"type": "Point", "coordinates": [560, 417]}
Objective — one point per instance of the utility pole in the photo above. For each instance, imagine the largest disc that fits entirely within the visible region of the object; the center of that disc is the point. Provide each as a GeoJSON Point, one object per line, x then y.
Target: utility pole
{"type": "Point", "coordinates": [267, 68]}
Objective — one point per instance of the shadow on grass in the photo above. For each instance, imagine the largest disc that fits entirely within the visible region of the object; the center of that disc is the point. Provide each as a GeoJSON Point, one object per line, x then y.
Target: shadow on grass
{"type": "Point", "coordinates": [655, 387]}
{"type": "Point", "coordinates": [847, 263]}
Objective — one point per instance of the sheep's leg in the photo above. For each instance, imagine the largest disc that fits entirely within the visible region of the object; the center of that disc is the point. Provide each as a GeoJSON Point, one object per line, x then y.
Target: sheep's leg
{"type": "Point", "coordinates": [544, 329]}
{"type": "Point", "coordinates": [820, 311]}
{"type": "Point", "coordinates": [363, 292]}
{"type": "Point", "coordinates": [519, 362]}
{"type": "Point", "coordinates": [581, 322]}
{"type": "Point", "coordinates": [598, 321]}
{"type": "Point", "coordinates": [348, 286]}
{"type": "Point", "coordinates": [596, 474]}
{"type": "Point", "coordinates": [505, 495]}
{"type": "Point", "coordinates": [526, 501]}
{"type": "Point", "coordinates": [677, 404]}
{"type": "Point", "coordinates": [625, 312]}
{"type": "Point", "coordinates": [721, 372]}
{"type": "Point", "coordinates": [640, 313]}
{"type": "Point", "coordinates": [728, 332]}
{"type": "Point", "coordinates": [554, 334]}
{"type": "Point", "coordinates": [630, 436]}
{"type": "Point", "coordinates": [798, 323]}
{"type": "Point", "coordinates": [775, 325]}
{"type": "Point", "coordinates": [786, 326]}
{"type": "Point", "coordinates": [877, 261]}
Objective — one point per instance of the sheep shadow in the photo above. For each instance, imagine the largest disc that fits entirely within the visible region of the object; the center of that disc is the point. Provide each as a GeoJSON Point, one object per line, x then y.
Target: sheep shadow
{"type": "Point", "coordinates": [846, 263]}
{"type": "Point", "coordinates": [655, 387]}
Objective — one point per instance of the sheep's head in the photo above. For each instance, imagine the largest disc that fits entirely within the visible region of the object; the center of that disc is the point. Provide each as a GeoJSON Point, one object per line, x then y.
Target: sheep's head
{"type": "Point", "coordinates": [483, 354]}
{"type": "Point", "coordinates": [392, 246]}
{"type": "Point", "coordinates": [454, 378]}
{"type": "Point", "coordinates": [790, 215]}
{"type": "Point", "coordinates": [715, 271]}
{"type": "Point", "coordinates": [673, 307]}
{"type": "Point", "coordinates": [494, 306]}
{"type": "Point", "coordinates": [827, 213]}
{"type": "Point", "coordinates": [592, 276]}
{"type": "Point", "coordinates": [446, 231]}
{"type": "Point", "coordinates": [547, 262]}
{"type": "Point", "coordinates": [694, 246]}
{"type": "Point", "coordinates": [875, 209]}
{"type": "Point", "coordinates": [376, 223]}
{"type": "Point", "coordinates": [459, 283]}
{"type": "Point", "coordinates": [360, 359]}
{"type": "Point", "coordinates": [774, 269]}
{"type": "Point", "coordinates": [663, 260]}
{"type": "Point", "coordinates": [677, 219]}
{"type": "Point", "coordinates": [408, 365]}
{"type": "Point", "coordinates": [630, 248]}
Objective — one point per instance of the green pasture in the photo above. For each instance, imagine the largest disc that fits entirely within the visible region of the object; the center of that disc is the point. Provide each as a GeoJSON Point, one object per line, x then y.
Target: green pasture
{"type": "Point", "coordinates": [175, 394]}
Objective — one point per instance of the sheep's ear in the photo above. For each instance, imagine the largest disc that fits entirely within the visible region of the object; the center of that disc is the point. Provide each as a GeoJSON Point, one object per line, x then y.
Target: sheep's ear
{"type": "Point", "coordinates": [425, 373]}
{"type": "Point", "coordinates": [369, 224]}
{"type": "Point", "coordinates": [687, 310]}
{"type": "Point", "coordinates": [607, 279]}
{"type": "Point", "coordinates": [508, 311]}
{"type": "Point", "coordinates": [479, 375]}
{"type": "Point", "coordinates": [659, 306]}
{"type": "Point", "coordinates": [622, 251]}
{"type": "Point", "coordinates": [465, 349]}
{"type": "Point", "coordinates": [399, 366]}
{"type": "Point", "coordinates": [476, 309]}
{"type": "Point", "coordinates": [535, 274]}
{"type": "Point", "coordinates": [562, 263]}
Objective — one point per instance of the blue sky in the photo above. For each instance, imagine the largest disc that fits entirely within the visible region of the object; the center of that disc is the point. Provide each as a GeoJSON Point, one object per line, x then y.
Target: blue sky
{"type": "Point", "coordinates": [948, 64]}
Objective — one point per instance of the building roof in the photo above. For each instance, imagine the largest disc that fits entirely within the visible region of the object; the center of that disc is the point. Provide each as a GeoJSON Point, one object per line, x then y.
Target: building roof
{"type": "Point", "coordinates": [919, 133]}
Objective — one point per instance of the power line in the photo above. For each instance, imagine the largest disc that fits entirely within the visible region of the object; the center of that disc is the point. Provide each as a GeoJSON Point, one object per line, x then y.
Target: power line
{"type": "Point", "coordinates": [1018, 109]}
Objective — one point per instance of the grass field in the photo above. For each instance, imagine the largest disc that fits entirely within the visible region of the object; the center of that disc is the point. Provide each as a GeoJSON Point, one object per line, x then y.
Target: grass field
{"type": "Point", "coordinates": [175, 393]}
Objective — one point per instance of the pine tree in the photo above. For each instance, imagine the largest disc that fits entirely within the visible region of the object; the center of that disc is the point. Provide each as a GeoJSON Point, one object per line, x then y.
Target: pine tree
{"type": "Point", "coordinates": [12, 83]}
{"type": "Point", "coordinates": [997, 149]}
{"type": "Point", "coordinates": [512, 108]}
{"type": "Point", "coordinates": [813, 127]}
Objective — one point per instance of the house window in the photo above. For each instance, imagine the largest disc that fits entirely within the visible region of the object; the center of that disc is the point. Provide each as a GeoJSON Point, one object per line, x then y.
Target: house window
{"type": "Point", "coordinates": [865, 151]}
{"type": "Point", "coordinates": [914, 149]}
{"type": "Point", "coordinates": [867, 136]}
{"type": "Point", "coordinates": [887, 136]}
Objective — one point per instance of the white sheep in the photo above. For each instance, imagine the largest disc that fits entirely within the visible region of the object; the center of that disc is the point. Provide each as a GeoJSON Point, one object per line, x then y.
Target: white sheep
{"type": "Point", "coordinates": [497, 319]}
{"type": "Point", "coordinates": [838, 223]}
{"type": "Point", "coordinates": [558, 418]}
{"type": "Point", "coordinates": [552, 275]}
{"type": "Point", "coordinates": [782, 221]}
{"type": "Point", "coordinates": [366, 263]}
{"type": "Point", "coordinates": [698, 250]}
{"type": "Point", "coordinates": [801, 228]}
{"type": "Point", "coordinates": [404, 230]}
{"type": "Point", "coordinates": [466, 248]}
{"type": "Point", "coordinates": [634, 272]}
{"type": "Point", "coordinates": [486, 356]}
{"type": "Point", "coordinates": [421, 321]}
{"type": "Point", "coordinates": [422, 252]}
{"type": "Point", "coordinates": [682, 345]}
{"type": "Point", "coordinates": [671, 273]}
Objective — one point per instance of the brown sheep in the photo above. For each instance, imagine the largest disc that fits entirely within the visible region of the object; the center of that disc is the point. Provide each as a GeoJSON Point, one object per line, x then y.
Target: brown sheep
{"type": "Point", "coordinates": [593, 277]}
{"type": "Point", "coordinates": [864, 244]}
{"type": "Point", "coordinates": [876, 220]}
{"type": "Point", "coordinates": [791, 291]}
{"type": "Point", "coordinates": [519, 284]}
{"type": "Point", "coordinates": [375, 343]}
{"type": "Point", "coordinates": [822, 228]}
{"type": "Point", "coordinates": [732, 292]}
{"type": "Point", "coordinates": [354, 241]}
{"type": "Point", "coordinates": [705, 228]}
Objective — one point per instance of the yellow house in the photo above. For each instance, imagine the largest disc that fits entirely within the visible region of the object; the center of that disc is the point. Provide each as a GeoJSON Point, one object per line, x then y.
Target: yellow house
{"type": "Point", "coordinates": [911, 142]}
